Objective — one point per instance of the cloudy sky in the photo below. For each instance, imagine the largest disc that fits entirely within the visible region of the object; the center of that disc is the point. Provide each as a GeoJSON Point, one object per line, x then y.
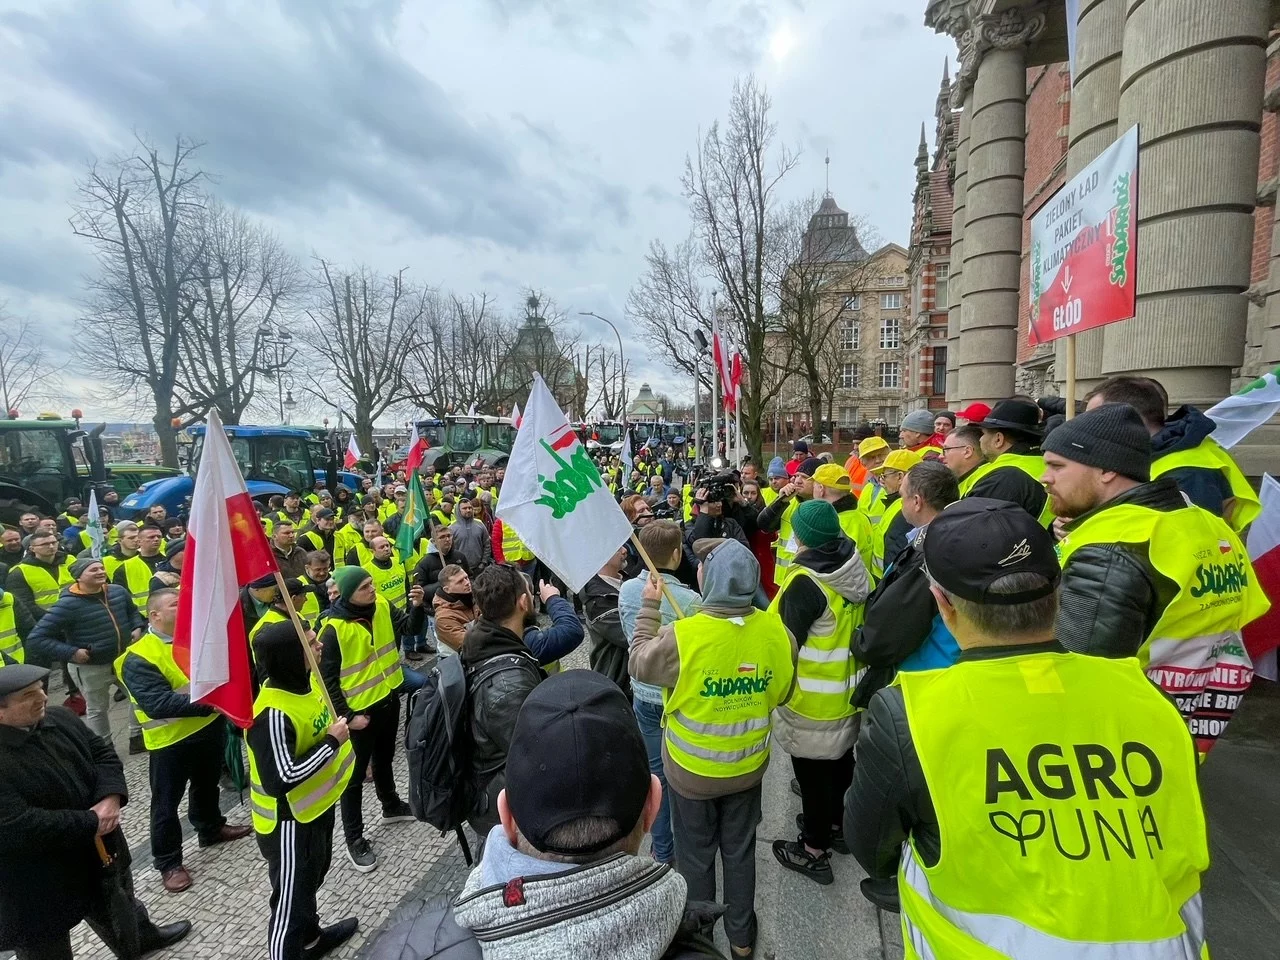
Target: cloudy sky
{"type": "Point", "coordinates": [485, 144]}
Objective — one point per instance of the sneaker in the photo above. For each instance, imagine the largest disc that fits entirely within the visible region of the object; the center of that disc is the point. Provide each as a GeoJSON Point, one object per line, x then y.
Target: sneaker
{"type": "Point", "coordinates": [793, 855]}
{"type": "Point", "coordinates": [837, 836]}
{"type": "Point", "coordinates": [331, 936]}
{"type": "Point", "coordinates": [399, 812]}
{"type": "Point", "coordinates": [362, 856]}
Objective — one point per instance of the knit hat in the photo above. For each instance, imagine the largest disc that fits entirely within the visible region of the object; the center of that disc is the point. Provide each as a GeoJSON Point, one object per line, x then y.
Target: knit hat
{"type": "Point", "coordinates": [80, 566]}
{"type": "Point", "coordinates": [349, 579]}
{"type": "Point", "coordinates": [921, 421]}
{"type": "Point", "coordinates": [1109, 437]}
{"type": "Point", "coordinates": [902, 460]}
{"type": "Point", "coordinates": [815, 523]}
{"type": "Point", "coordinates": [809, 467]}
{"type": "Point", "coordinates": [945, 413]}
{"type": "Point", "coordinates": [777, 468]}
{"type": "Point", "coordinates": [800, 446]}
{"type": "Point", "coordinates": [833, 476]}
{"type": "Point", "coordinates": [871, 445]}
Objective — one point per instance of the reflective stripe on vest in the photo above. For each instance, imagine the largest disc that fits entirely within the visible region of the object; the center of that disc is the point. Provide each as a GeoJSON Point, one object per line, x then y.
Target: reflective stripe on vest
{"type": "Point", "coordinates": [1195, 651]}
{"type": "Point", "coordinates": [826, 670]}
{"type": "Point", "coordinates": [513, 548]}
{"type": "Point", "coordinates": [160, 732]}
{"type": "Point", "coordinates": [370, 669]}
{"type": "Point", "coordinates": [871, 501]}
{"type": "Point", "coordinates": [890, 513]}
{"type": "Point", "coordinates": [320, 791]}
{"type": "Point", "coordinates": [857, 527]}
{"type": "Point", "coordinates": [10, 645]}
{"type": "Point", "coordinates": [785, 547]}
{"type": "Point", "coordinates": [1210, 455]}
{"type": "Point", "coordinates": [1033, 466]}
{"type": "Point", "coordinates": [733, 672]}
{"type": "Point", "coordinates": [43, 586]}
{"type": "Point", "coordinates": [137, 574]}
{"type": "Point", "coordinates": [1053, 772]}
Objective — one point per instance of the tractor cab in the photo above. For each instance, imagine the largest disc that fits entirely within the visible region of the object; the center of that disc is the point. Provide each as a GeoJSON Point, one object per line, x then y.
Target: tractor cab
{"type": "Point", "coordinates": [40, 464]}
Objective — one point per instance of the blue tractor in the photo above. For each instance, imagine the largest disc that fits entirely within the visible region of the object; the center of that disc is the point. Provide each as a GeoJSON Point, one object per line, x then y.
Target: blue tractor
{"type": "Point", "coordinates": [273, 460]}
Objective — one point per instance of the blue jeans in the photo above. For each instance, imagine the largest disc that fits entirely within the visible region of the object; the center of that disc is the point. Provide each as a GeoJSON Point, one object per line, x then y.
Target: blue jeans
{"type": "Point", "coordinates": [413, 681]}
{"type": "Point", "coordinates": [649, 717]}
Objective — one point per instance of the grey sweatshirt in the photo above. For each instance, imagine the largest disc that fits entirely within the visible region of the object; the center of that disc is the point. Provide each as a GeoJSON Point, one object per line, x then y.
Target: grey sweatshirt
{"type": "Point", "coordinates": [471, 539]}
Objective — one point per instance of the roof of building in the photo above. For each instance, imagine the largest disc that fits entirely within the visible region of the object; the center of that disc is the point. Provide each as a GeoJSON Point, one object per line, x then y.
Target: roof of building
{"type": "Point", "coordinates": [830, 237]}
{"type": "Point", "coordinates": [645, 403]}
{"type": "Point", "coordinates": [941, 197]}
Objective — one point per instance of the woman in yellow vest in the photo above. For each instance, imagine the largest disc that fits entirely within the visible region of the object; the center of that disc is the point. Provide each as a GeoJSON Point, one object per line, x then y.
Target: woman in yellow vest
{"type": "Point", "coordinates": [360, 663]}
{"type": "Point", "coordinates": [184, 742]}
{"type": "Point", "coordinates": [820, 604]}
{"type": "Point", "coordinates": [724, 670]}
{"type": "Point", "coordinates": [1030, 802]}
{"type": "Point", "coordinates": [300, 760]}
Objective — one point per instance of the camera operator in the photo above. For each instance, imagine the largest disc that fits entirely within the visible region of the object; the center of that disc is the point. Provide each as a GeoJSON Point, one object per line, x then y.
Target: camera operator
{"type": "Point", "coordinates": [716, 504]}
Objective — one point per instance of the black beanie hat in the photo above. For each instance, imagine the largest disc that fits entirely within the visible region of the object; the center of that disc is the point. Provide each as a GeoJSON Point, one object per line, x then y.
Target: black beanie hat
{"type": "Point", "coordinates": [1109, 437]}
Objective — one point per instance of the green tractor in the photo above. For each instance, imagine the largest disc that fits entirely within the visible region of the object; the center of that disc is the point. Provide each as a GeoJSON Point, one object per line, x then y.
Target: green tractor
{"type": "Point", "coordinates": [40, 465]}
{"type": "Point", "coordinates": [474, 440]}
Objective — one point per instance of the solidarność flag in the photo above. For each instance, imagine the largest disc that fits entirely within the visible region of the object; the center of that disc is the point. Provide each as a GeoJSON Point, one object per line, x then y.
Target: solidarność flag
{"type": "Point", "coordinates": [226, 549]}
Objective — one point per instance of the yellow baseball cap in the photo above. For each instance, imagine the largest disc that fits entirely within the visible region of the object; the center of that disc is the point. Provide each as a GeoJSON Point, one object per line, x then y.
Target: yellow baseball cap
{"type": "Point", "coordinates": [871, 445]}
{"type": "Point", "coordinates": [832, 475]}
{"type": "Point", "coordinates": [902, 460]}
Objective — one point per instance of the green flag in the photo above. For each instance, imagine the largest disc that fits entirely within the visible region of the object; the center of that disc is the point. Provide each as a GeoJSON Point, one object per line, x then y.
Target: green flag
{"type": "Point", "coordinates": [413, 520]}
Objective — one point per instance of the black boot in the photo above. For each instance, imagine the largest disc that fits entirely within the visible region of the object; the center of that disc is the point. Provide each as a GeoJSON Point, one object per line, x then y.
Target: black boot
{"type": "Point", "coordinates": [330, 937]}
{"type": "Point", "coordinates": [166, 936]}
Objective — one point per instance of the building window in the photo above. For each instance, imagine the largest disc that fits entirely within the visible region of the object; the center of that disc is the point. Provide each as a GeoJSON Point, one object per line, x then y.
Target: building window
{"type": "Point", "coordinates": [890, 301]}
{"type": "Point", "coordinates": [890, 333]}
{"type": "Point", "coordinates": [890, 375]}
{"type": "Point", "coordinates": [848, 376]}
{"type": "Point", "coordinates": [848, 416]}
{"type": "Point", "coordinates": [940, 273]}
{"type": "Point", "coordinates": [940, 371]}
{"type": "Point", "coordinates": [889, 414]}
{"type": "Point", "coordinates": [849, 335]}
{"type": "Point", "coordinates": [854, 302]}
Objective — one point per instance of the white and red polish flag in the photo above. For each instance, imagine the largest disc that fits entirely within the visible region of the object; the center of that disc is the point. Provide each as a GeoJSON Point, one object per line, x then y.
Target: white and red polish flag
{"type": "Point", "coordinates": [226, 549]}
{"type": "Point", "coordinates": [352, 454]}
{"type": "Point", "coordinates": [516, 416]}
{"type": "Point", "coordinates": [1263, 634]}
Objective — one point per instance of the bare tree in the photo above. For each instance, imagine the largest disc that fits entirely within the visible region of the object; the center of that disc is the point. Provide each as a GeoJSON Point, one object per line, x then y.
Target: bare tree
{"type": "Point", "coordinates": [241, 278]}
{"type": "Point", "coordinates": [142, 215]}
{"type": "Point", "coordinates": [668, 305]}
{"type": "Point", "coordinates": [460, 346]}
{"type": "Point", "coordinates": [611, 399]}
{"type": "Point", "coordinates": [363, 327]}
{"type": "Point", "coordinates": [27, 374]}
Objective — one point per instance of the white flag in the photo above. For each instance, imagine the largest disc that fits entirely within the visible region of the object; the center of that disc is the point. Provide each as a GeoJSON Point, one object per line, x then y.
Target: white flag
{"type": "Point", "coordinates": [553, 496]}
{"type": "Point", "coordinates": [93, 525]}
{"type": "Point", "coordinates": [627, 456]}
{"type": "Point", "coordinates": [1240, 413]}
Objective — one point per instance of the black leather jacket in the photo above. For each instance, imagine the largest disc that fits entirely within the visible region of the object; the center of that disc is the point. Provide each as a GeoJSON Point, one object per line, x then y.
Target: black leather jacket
{"type": "Point", "coordinates": [1112, 594]}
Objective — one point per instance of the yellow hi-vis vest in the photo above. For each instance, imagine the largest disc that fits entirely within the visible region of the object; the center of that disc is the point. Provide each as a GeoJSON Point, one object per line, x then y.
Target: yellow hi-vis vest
{"type": "Point", "coordinates": [310, 608]}
{"type": "Point", "coordinates": [1030, 464]}
{"type": "Point", "coordinates": [10, 645]}
{"type": "Point", "coordinates": [160, 733]}
{"type": "Point", "coordinates": [514, 549]}
{"type": "Point", "coordinates": [733, 672]}
{"type": "Point", "coordinates": [43, 586]}
{"type": "Point", "coordinates": [344, 538]}
{"type": "Point", "coordinates": [391, 583]}
{"type": "Point", "coordinates": [826, 672]}
{"type": "Point", "coordinates": [111, 563]}
{"type": "Point", "coordinates": [137, 574]}
{"type": "Point", "coordinates": [890, 514]}
{"type": "Point", "coordinates": [871, 501]}
{"type": "Point", "coordinates": [785, 547]}
{"type": "Point", "coordinates": [386, 510]}
{"type": "Point", "coordinates": [1068, 809]}
{"type": "Point", "coordinates": [767, 495]}
{"type": "Point", "coordinates": [973, 476]}
{"type": "Point", "coordinates": [272, 615]}
{"type": "Point", "coordinates": [370, 661]}
{"type": "Point", "coordinates": [1209, 454]}
{"type": "Point", "coordinates": [320, 791]}
{"type": "Point", "coordinates": [1195, 652]}
{"type": "Point", "coordinates": [857, 527]}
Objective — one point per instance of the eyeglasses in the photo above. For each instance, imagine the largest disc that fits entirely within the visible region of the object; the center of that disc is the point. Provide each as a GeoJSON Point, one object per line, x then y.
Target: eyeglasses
{"type": "Point", "coordinates": [958, 446]}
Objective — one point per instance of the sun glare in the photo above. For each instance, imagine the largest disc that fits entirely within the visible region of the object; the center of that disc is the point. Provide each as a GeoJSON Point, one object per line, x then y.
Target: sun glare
{"type": "Point", "coordinates": [782, 41]}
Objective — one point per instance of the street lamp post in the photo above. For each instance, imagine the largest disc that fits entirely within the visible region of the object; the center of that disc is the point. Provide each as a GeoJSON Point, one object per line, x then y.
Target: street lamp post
{"type": "Point", "coordinates": [282, 352]}
{"type": "Point", "coordinates": [622, 360]}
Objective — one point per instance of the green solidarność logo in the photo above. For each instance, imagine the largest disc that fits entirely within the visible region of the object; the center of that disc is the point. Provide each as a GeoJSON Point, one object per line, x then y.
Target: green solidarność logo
{"type": "Point", "coordinates": [736, 686]}
{"type": "Point", "coordinates": [1120, 251]}
{"type": "Point", "coordinates": [1219, 578]}
{"type": "Point", "coordinates": [576, 480]}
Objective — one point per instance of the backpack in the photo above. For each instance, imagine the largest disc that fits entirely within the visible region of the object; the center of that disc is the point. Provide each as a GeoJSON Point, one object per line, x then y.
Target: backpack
{"type": "Point", "coordinates": [444, 785]}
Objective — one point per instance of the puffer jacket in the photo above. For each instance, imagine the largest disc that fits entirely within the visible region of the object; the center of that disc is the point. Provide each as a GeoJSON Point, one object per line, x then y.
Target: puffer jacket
{"type": "Point", "coordinates": [804, 606]}
{"type": "Point", "coordinates": [1206, 487]}
{"type": "Point", "coordinates": [495, 703]}
{"type": "Point", "coordinates": [102, 623]}
{"type": "Point", "coordinates": [1112, 594]}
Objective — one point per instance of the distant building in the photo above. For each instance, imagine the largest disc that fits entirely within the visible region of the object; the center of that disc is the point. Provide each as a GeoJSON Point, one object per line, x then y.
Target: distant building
{"type": "Point", "coordinates": [646, 408]}
{"type": "Point", "coordinates": [535, 351]}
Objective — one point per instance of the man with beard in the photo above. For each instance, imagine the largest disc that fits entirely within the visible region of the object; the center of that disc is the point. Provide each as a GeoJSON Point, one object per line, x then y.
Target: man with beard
{"type": "Point", "coordinates": [471, 538]}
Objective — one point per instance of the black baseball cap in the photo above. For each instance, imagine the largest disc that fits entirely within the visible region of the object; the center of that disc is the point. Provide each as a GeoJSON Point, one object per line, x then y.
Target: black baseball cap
{"type": "Point", "coordinates": [576, 752]}
{"type": "Point", "coordinates": [976, 541]}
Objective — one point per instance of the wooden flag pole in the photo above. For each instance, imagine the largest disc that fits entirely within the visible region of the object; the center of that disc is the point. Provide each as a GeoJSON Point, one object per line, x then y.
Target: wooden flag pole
{"type": "Point", "coordinates": [306, 644]}
{"type": "Point", "coordinates": [653, 570]}
{"type": "Point", "coordinates": [1071, 376]}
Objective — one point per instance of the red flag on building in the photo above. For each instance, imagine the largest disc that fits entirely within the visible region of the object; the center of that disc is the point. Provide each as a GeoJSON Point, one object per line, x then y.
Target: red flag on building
{"type": "Point", "coordinates": [226, 549]}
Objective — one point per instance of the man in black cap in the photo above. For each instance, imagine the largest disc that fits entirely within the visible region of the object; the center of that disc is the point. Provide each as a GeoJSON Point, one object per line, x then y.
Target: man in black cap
{"type": "Point", "coordinates": [776, 517]}
{"type": "Point", "coordinates": [578, 801]}
{"type": "Point", "coordinates": [1145, 573]}
{"type": "Point", "coordinates": [982, 785]}
{"type": "Point", "coordinates": [1011, 445]}
{"type": "Point", "coordinates": [318, 535]}
{"type": "Point", "coordinates": [61, 788]}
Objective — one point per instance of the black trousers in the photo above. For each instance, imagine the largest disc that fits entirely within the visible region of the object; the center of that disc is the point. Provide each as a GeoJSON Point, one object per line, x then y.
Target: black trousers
{"type": "Point", "coordinates": [823, 784]}
{"type": "Point", "coordinates": [197, 761]}
{"type": "Point", "coordinates": [376, 743]}
{"type": "Point", "coordinates": [726, 825]}
{"type": "Point", "coordinates": [297, 857]}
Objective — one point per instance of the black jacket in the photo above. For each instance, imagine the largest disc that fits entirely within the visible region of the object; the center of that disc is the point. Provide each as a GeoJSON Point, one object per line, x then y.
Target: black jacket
{"type": "Point", "coordinates": [609, 649]}
{"type": "Point", "coordinates": [899, 616]}
{"type": "Point", "coordinates": [895, 534]}
{"type": "Point", "coordinates": [495, 703]}
{"type": "Point", "coordinates": [427, 573]}
{"type": "Point", "coordinates": [1186, 430]}
{"type": "Point", "coordinates": [403, 624]}
{"type": "Point", "coordinates": [102, 623]}
{"type": "Point", "coordinates": [1112, 594]}
{"type": "Point", "coordinates": [273, 739]}
{"type": "Point", "coordinates": [49, 868]}
{"type": "Point", "coordinates": [154, 694]}
{"type": "Point", "coordinates": [1014, 485]}
{"type": "Point", "coordinates": [889, 799]}
{"type": "Point", "coordinates": [16, 583]}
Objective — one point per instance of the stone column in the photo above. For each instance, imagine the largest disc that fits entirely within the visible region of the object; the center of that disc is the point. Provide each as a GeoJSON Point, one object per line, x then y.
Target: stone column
{"type": "Point", "coordinates": [1270, 333]}
{"type": "Point", "coordinates": [955, 280]}
{"type": "Point", "coordinates": [1095, 103]}
{"type": "Point", "coordinates": [1192, 73]}
{"type": "Point", "coordinates": [993, 215]}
